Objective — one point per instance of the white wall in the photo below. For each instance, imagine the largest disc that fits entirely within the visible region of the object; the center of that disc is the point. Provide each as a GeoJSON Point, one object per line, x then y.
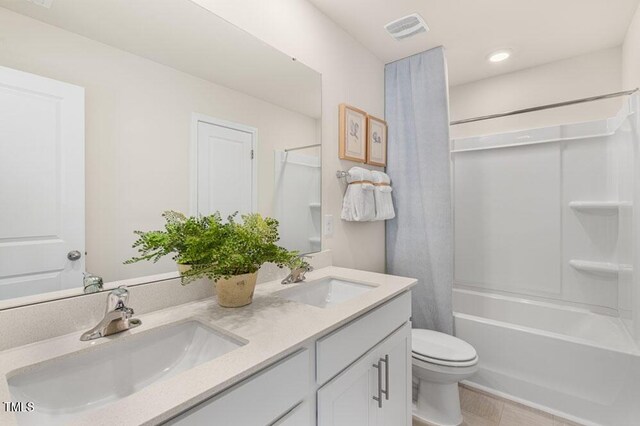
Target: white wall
{"type": "Point", "coordinates": [631, 54]}
{"type": "Point", "coordinates": [138, 116]}
{"type": "Point", "coordinates": [350, 74]}
{"type": "Point", "coordinates": [582, 76]}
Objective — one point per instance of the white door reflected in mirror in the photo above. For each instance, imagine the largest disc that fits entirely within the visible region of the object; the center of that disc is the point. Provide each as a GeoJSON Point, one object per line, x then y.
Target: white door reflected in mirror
{"type": "Point", "coordinates": [41, 184]}
{"type": "Point", "coordinates": [224, 167]}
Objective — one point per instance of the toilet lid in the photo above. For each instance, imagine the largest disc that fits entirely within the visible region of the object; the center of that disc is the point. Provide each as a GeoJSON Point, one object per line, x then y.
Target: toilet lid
{"type": "Point", "coordinates": [441, 346]}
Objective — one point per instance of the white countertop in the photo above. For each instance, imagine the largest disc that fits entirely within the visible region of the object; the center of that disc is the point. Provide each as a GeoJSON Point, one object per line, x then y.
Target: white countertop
{"type": "Point", "coordinates": [273, 328]}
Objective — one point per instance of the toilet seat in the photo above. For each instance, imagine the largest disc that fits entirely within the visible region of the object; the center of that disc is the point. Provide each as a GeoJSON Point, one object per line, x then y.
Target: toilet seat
{"type": "Point", "coordinates": [444, 363]}
{"type": "Point", "coordinates": [441, 349]}
{"type": "Point", "coordinates": [439, 373]}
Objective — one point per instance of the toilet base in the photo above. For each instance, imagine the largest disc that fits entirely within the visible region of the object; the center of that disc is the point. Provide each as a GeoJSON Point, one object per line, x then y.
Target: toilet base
{"type": "Point", "coordinates": [438, 403]}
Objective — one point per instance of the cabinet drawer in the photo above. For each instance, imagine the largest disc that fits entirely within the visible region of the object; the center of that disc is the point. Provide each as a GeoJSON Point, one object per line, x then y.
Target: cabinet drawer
{"type": "Point", "coordinates": [259, 400]}
{"type": "Point", "coordinates": [345, 345]}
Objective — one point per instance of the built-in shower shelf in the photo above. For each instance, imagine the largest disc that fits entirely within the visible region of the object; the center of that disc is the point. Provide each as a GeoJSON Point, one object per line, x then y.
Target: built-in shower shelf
{"type": "Point", "coordinates": [601, 207]}
{"type": "Point", "coordinates": [598, 267]}
{"type": "Point", "coordinates": [314, 205]}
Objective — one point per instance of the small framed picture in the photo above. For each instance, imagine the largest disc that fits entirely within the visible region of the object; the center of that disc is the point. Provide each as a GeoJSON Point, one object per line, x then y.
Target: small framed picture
{"type": "Point", "coordinates": [353, 134]}
{"type": "Point", "coordinates": [376, 141]}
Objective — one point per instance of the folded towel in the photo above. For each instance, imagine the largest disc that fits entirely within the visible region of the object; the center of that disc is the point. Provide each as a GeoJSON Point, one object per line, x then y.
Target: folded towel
{"type": "Point", "coordinates": [359, 204]}
{"type": "Point", "coordinates": [382, 196]}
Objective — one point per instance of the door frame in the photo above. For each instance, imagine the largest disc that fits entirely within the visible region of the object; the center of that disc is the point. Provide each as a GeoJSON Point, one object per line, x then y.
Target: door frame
{"type": "Point", "coordinates": [193, 157]}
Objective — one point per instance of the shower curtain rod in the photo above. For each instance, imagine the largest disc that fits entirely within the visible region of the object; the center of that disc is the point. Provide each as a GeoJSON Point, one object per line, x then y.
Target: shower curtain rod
{"type": "Point", "coordinates": [302, 147]}
{"type": "Point", "coordinates": [538, 108]}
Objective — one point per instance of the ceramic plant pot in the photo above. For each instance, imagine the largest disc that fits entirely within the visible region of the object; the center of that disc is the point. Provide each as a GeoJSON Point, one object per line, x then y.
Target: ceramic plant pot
{"type": "Point", "coordinates": [183, 268]}
{"type": "Point", "coordinates": [236, 291]}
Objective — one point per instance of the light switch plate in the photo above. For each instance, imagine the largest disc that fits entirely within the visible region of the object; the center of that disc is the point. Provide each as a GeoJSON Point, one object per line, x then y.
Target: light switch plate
{"type": "Point", "coordinates": [327, 225]}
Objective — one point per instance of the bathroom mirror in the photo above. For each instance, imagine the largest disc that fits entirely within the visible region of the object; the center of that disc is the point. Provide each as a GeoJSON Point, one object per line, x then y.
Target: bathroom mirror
{"type": "Point", "coordinates": [112, 112]}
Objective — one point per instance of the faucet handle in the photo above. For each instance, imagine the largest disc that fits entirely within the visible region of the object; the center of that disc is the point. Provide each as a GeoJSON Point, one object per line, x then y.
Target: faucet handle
{"type": "Point", "coordinates": [308, 268]}
{"type": "Point", "coordinates": [127, 312]}
{"type": "Point", "coordinates": [117, 299]}
{"type": "Point", "coordinates": [92, 283]}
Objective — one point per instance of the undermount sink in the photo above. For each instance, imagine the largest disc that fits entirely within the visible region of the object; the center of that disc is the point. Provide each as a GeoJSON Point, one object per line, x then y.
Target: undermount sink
{"type": "Point", "coordinates": [324, 293]}
{"type": "Point", "coordinates": [64, 388]}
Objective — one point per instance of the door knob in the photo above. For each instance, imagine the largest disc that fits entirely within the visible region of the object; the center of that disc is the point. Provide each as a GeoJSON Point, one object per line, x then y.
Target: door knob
{"type": "Point", "coordinates": [74, 255]}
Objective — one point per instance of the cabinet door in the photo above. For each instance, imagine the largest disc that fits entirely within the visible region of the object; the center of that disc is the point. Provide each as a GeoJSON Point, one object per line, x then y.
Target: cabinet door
{"type": "Point", "coordinates": [347, 400]}
{"type": "Point", "coordinates": [395, 360]}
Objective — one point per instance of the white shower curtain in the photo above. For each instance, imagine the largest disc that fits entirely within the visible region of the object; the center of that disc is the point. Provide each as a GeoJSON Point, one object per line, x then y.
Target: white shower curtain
{"type": "Point", "coordinates": [420, 238]}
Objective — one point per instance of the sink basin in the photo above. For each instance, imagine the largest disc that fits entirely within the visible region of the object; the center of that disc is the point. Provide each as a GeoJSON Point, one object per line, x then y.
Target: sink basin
{"type": "Point", "coordinates": [64, 388]}
{"type": "Point", "coordinates": [324, 293]}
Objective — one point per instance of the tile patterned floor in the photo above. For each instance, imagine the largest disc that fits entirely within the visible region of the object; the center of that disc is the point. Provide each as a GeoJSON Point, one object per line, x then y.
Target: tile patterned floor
{"type": "Point", "coordinates": [482, 409]}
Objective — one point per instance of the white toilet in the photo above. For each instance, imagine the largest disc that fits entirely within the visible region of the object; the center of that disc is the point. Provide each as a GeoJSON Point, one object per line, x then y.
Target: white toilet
{"type": "Point", "coordinates": [440, 361]}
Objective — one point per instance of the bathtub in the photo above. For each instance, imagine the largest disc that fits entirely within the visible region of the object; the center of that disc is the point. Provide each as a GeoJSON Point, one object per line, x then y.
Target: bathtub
{"type": "Point", "coordinates": [565, 360]}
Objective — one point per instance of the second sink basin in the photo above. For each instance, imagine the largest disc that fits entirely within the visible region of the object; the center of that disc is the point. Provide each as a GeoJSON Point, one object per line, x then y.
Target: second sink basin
{"type": "Point", "coordinates": [64, 388]}
{"type": "Point", "coordinates": [324, 293]}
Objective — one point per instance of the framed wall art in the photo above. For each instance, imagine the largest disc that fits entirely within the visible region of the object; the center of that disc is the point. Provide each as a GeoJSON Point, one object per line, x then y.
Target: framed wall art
{"type": "Point", "coordinates": [376, 141]}
{"type": "Point", "coordinates": [353, 134]}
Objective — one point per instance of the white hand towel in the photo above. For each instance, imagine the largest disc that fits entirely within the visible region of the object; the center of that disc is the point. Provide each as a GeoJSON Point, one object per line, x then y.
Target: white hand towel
{"type": "Point", "coordinates": [382, 196]}
{"type": "Point", "coordinates": [359, 203]}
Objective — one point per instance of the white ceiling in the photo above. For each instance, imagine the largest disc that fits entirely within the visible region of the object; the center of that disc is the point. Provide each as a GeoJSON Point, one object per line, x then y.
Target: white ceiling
{"type": "Point", "coordinates": [538, 31]}
{"type": "Point", "coordinates": [184, 36]}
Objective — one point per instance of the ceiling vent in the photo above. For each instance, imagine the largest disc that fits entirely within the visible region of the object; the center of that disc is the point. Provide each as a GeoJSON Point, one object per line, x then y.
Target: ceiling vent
{"type": "Point", "coordinates": [407, 26]}
{"type": "Point", "coordinates": [43, 3]}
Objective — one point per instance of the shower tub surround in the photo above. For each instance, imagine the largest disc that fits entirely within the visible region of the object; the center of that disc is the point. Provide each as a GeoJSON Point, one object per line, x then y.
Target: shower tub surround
{"type": "Point", "coordinates": [545, 284]}
{"type": "Point", "coordinates": [567, 361]}
{"type": "Point", "coordinates": [269, 336]}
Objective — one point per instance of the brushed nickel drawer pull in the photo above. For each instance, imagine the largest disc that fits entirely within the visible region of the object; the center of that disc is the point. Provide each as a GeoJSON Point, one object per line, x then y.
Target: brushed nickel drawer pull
{"type": "Point", "coordinates": [379, 397]}
{"type": "Point", "coordinates": [386, 376]}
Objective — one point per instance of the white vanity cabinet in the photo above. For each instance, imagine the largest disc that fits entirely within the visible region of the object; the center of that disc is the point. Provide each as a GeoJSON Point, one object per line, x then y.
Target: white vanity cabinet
{"type": "Point", "coordinates": [372, 359]}
{"type": "Point", "coordinates": [274, 396]}
{"type": "Point", "coordinates": [376, 390]}
{"type": "Point", "coordinates": [362, 377]}
{"type": "Point", "coordinates": [299, 416]}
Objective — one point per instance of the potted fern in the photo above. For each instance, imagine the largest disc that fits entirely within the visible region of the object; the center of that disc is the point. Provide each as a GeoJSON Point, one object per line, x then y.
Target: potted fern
{"type": "Point", "coordinates": [182, 237]}
{"type": "Point", "coordinates": [228, 252]}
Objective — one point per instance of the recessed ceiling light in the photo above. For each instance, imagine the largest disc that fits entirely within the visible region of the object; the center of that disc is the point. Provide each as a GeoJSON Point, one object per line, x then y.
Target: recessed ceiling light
{"type": "Point", "coordinates": [499, 55]}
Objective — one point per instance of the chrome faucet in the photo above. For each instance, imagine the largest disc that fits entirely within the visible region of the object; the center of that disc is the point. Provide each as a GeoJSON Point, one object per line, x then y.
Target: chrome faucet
{"type": "Point", "coordinates": [117, 317]}
{"type": "Point", "coordinates": [92, 283]}
{"type": "Point", "coordinates": [297, 274]}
